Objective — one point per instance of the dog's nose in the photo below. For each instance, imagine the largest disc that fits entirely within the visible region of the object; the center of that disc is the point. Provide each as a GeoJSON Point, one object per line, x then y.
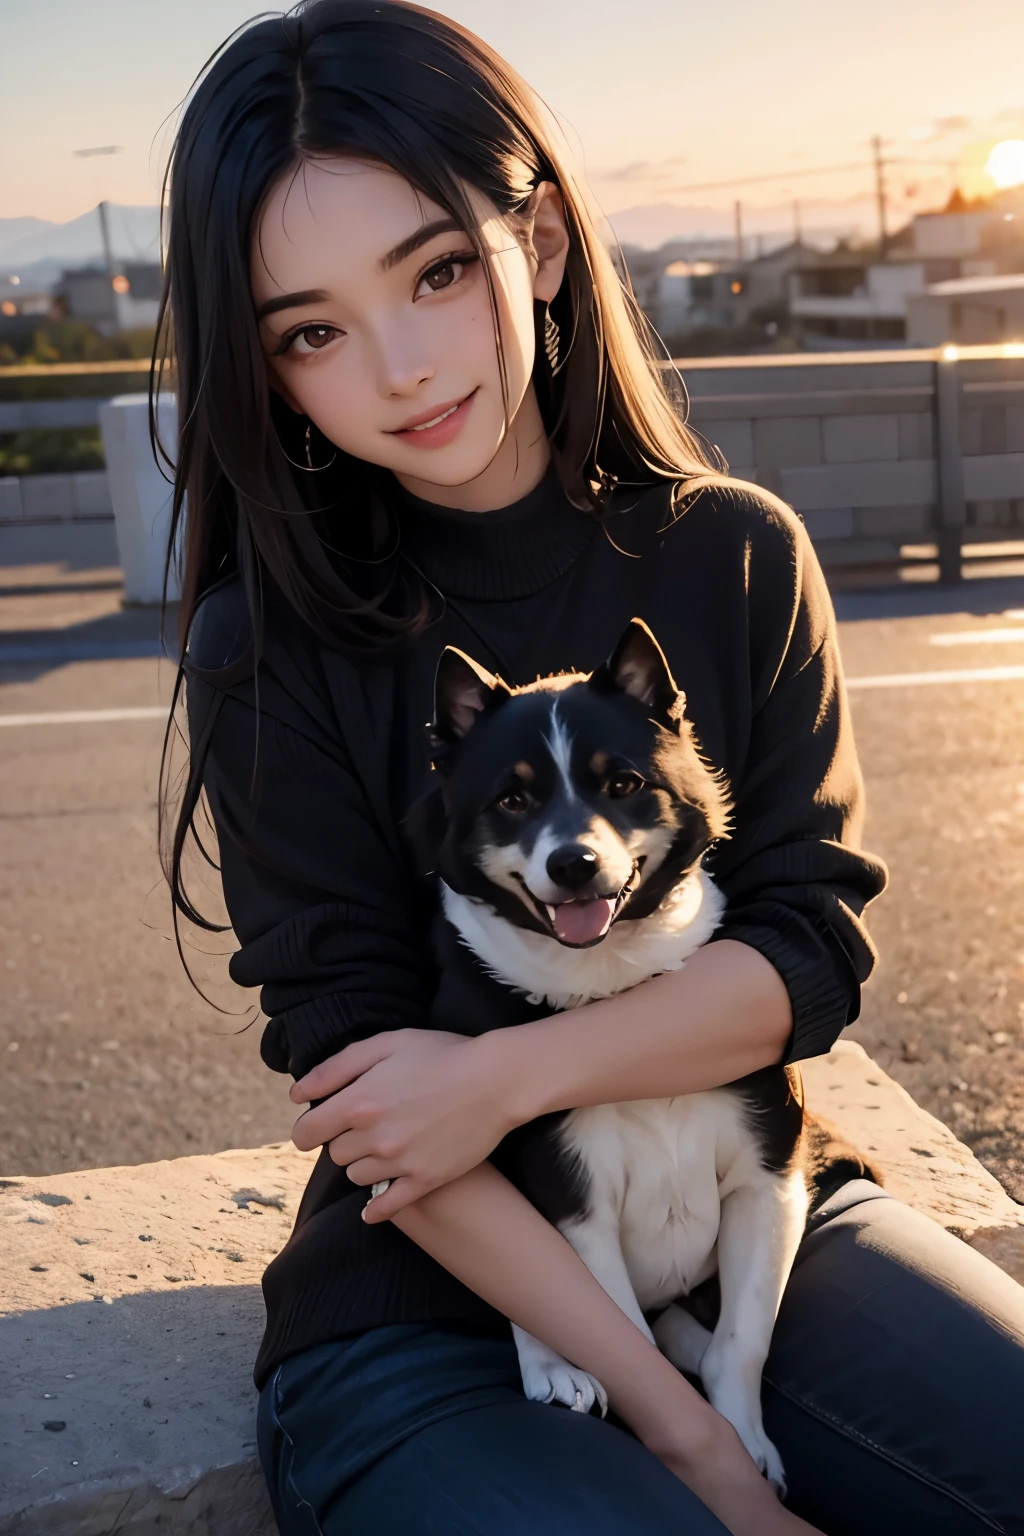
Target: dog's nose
{"type": "Point", "coordinates": [572, 867]}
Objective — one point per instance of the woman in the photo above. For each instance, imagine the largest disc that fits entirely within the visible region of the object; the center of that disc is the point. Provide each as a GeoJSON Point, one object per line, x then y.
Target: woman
{"type": "Point", "coordinates": [417, 408]}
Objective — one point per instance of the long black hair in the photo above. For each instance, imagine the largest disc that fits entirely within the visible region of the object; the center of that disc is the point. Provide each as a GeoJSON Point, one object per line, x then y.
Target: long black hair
{"type": "Point", "coordinates": [411, 90]}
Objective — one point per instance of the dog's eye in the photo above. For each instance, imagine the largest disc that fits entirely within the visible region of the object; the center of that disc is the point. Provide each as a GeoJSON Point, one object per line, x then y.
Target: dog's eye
{"type": "Point", "coordinates": [622, 784]}
{"type": "Point", "coordinates": [514, 801]}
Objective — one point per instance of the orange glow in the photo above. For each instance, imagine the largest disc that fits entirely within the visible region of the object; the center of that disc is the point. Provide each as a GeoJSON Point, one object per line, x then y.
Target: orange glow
{"type": "Point", "coordinates": [121, 285]}
{"type": "Point", "coordinates": [8, 307]}
{"type": "Point", "coordinates": [1005, 163]}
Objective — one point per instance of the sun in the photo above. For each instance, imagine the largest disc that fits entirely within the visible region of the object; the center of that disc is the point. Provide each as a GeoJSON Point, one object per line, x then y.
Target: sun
{"type": "Point", "coordinates": [1005, 163]}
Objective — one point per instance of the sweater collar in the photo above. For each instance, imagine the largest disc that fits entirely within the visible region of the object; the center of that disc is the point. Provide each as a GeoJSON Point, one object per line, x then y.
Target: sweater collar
{"type": "Point", "coordinates": [495, 556]}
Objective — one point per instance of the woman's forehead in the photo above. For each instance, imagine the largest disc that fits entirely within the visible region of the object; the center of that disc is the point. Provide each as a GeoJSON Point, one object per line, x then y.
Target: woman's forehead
{"type": "Point", "coordinates": [331, 223]}
{"type": "Point", "coordinates": [331, 219]}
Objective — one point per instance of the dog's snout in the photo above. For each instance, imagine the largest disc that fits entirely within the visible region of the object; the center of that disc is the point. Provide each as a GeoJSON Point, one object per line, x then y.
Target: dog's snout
{"type": "Point", "coordinates": [572, 866]}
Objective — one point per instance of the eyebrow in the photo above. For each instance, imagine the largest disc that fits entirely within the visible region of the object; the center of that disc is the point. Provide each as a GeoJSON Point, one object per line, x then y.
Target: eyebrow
{"type": "Point", "coordinates": [393, 258]}
{"type": "Point", "coordinates": [291, 301]}
{"type": "Point", "coordinates": [419, 237]}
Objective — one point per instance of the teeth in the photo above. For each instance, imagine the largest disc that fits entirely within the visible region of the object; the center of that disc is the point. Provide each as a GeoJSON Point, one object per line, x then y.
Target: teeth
{"type": "Point", "coordinates": [443, 416]}
{"type": "Point", "coordinates": [550, 912]}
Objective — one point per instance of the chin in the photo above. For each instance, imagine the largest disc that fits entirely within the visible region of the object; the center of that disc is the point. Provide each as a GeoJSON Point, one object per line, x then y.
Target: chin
{"type": "Point", "coordinates": [450, 467]}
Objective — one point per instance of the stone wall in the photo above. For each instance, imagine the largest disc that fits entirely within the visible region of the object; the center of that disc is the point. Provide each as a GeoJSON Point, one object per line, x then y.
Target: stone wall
{"type": "Point", "coordinates": [888, 456]}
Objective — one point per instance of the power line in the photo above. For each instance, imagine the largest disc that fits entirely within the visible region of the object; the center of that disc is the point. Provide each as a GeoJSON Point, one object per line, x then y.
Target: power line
{"type": "Point", "coordinates": [815, 170]}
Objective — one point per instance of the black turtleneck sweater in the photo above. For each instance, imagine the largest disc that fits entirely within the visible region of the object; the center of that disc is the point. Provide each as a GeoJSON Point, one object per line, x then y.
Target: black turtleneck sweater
{"type": "Point", "coordinates": [322, 888]}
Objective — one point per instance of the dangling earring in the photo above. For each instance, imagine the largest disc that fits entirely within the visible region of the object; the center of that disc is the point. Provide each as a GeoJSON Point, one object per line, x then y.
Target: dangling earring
{"type": "Point", "coordinates": [309, 467]}
{"type": "Point", "coordinates": [552, 336]}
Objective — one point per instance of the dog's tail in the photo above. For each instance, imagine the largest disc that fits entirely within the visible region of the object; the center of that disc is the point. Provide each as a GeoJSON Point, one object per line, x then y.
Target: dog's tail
{"type": "Point", "coordinates": [830, 1161]}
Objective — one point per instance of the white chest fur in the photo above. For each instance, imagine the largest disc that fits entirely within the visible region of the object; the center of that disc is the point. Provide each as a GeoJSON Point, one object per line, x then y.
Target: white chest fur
{"type": "Point", "coordinates": [654, 1167]}
{"type": "Point", "coordinates": [565, 978]}
{"type": "Point", "coordinates": [659, 1170]}
{"type": "Point", "coordinates": [676, 1187]}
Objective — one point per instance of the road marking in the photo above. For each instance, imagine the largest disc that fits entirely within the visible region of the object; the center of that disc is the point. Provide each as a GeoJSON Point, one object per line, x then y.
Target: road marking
{"type": "Point", "coordinates": [923, 679]}
{"type": "Point", "coordinates": [977, 637]}
{"type": "Point", "coordinates": [881, 680]}
{"type": "Point", "coordinates": [86, 716]}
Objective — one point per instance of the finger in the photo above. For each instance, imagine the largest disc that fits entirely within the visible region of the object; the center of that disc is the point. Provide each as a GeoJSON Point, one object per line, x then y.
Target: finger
{"type": "Point", "coordinates": [328, 1120]}
{"type": "Point", "coordinates": [371, 1170]}
{"type": "Point", "coordinates": [348, 1148]}
{"type": "Point", "coordinates": [400, 1193]}
{"type": "Point", "coordinates": [343, 1068]}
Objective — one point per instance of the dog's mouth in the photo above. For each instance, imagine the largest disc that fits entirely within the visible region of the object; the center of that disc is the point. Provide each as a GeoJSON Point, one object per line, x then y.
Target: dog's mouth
{"type": "Point", "coordinates": [585, 920]}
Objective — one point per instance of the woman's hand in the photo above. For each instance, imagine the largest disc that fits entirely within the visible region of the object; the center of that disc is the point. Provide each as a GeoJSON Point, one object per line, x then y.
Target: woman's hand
{"type": "Point", "coordinates": [416, 1106]}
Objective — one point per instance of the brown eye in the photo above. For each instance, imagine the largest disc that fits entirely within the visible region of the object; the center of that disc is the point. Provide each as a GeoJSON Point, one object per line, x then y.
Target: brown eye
{"type": "Point", "coordinates": [622, 784]}
{"type": "Point", "coordinates": [441, 277]}
{"type": "Point", "coordinates": [514, 801]}
{"type": "Point", "coordinates": [316, 336]}
{"type": "Point", "coordinates": [447, 272]}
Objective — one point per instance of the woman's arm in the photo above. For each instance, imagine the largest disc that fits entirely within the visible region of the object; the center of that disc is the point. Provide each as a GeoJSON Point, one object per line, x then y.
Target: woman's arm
{"type": "Point", "coordinates": [780, 981]}
{"type": "Point", "coordinates": [420, 1107]}
{"type": "Point", "coordinates": [487, 1234]}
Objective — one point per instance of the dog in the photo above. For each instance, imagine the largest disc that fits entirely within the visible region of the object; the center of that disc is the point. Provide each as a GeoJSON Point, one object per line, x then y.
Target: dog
{"type": "Point", "coordinates": [571, 825]}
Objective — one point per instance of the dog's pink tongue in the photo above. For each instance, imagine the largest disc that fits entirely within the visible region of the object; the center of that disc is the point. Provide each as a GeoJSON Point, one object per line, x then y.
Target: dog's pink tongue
{"type": "Point", "coordinates": [580, 922]}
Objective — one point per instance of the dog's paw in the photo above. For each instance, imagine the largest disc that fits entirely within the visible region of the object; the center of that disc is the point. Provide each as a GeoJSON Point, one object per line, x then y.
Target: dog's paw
{"type": "Point", "coordinates": [547, 1378]}
{"type": "Point", "coordinates": [564, 1383]}
{"type": "Point", "coordinates": [738, 1399]}
{"type": "Point", "coordinates": [764, 1456]}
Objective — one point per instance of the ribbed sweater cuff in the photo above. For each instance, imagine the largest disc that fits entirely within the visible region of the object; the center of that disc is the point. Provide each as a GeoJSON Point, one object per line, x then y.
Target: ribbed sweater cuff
{"type": "Point", "coordinates": [819, 990]}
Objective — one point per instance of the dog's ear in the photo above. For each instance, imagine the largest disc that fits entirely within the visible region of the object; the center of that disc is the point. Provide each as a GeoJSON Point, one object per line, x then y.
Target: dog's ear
{"type": "Point", "coordinates": [638, 667]}
{"type": "Point", "coordinates": [462, 692]}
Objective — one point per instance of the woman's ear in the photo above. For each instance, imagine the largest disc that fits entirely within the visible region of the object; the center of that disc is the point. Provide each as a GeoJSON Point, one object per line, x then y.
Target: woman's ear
{"type": "Point", "coordinates": [550, 239]}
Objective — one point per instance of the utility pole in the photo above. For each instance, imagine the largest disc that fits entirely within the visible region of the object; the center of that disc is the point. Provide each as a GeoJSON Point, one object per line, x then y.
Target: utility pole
{"type": "Point", "coordinates": [738, 223]}
{"type": "Point", "coordinates": [108, 254]}
{"type": "Point", "coordinates": [883, 233]}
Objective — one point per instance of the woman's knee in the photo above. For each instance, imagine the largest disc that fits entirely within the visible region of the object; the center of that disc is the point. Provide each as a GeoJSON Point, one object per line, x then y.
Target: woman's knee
{"type": "Point", "coordinates": [897, 1370]}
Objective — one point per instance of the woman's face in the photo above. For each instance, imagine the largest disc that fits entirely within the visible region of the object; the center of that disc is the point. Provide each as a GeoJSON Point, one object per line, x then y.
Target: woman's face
{"type": "Point", "coordinates": [377, 324]}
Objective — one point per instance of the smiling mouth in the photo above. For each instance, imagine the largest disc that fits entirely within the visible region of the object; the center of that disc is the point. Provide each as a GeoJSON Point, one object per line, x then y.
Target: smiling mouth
{"type": "Point", "coordinates": [585, 920]}
{"type": "Point", "coordinates": [428, 424]}
{"type": "Point", "coordinates": [434, 420]}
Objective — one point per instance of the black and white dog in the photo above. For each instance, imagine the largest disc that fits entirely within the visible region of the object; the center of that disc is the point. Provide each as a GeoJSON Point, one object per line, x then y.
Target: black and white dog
{"type": "Point", "coordinates": [574, 815]}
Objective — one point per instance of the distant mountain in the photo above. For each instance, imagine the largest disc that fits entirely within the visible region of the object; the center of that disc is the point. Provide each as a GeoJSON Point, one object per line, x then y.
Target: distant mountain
{"type": "Point", "coordinates": [14, 230]}
{"type": "Point", "coordinates": [41, 246]}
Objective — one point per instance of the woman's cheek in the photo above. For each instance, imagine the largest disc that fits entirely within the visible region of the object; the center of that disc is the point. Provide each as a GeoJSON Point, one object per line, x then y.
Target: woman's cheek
{"type": "Point", "coordinates": [338, 405]}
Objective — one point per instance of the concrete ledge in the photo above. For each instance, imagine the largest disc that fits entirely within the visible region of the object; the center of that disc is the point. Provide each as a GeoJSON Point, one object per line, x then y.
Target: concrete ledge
{"type": "Point", "coordinates": [130, 1308]}
{"type": "Point", "coordinates": [130, 1311]}
{"type": "Point", "coordinates": [920, 1159]}
{"type": "Point", "coordinates": [80, 497]}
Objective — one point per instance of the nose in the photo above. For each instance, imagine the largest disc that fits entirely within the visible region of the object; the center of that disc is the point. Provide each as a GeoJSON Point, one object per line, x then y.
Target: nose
{"type": "Point", "coordinates": [572, 866]}
{"type": "Point", "coordinates": [401, 365]}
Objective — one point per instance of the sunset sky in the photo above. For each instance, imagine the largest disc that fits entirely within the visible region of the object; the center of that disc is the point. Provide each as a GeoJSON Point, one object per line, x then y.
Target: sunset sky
{"type": "Point", "coordinates": [658, 95]}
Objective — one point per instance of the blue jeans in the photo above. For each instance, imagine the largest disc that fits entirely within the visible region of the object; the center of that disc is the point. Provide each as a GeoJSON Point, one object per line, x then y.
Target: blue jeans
{"type": "Point", "coordinates": [894, 1391]}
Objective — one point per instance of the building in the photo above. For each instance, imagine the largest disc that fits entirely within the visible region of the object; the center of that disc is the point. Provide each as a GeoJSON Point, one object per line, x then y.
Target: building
{"type": "Point", "coordinates": [17, 300]}
{"type": "Point", "coordinates": [851, 299]}
{"type": "Point", "coordinates": [968, 311]}
{"type": "Point", "coordinates": [138, 295]}
{"type": "Point", "coordinates": [128, 301]}
{"type": "Point", "coordinates": [971, 239]}
{"type": "Point", "coordinates": [725, 295]}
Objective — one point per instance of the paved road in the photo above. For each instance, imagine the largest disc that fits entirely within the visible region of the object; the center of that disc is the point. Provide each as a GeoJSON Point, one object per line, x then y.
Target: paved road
{"type": "Point", "coordinates": [108, 1054]}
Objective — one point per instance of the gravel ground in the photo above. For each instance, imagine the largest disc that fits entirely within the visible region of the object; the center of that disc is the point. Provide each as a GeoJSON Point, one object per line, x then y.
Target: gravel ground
{"type": "Point", "coordinates": [944, 766]}
{"type": "Point", "coordinates": [109, 1056]}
